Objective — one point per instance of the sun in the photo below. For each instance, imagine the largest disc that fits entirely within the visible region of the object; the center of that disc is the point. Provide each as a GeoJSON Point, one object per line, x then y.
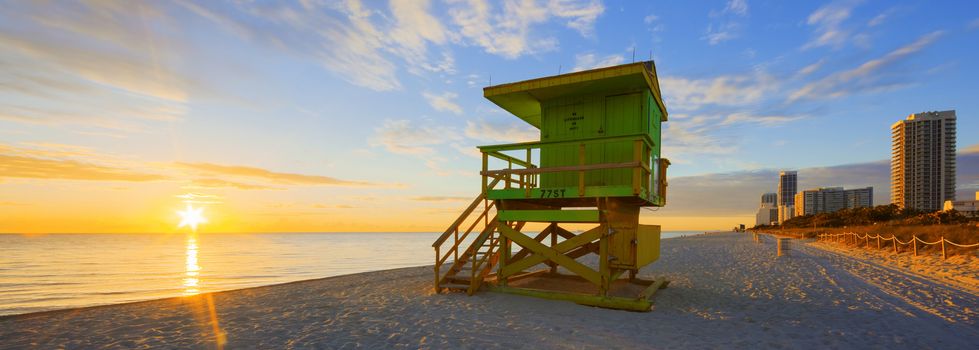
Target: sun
{"type": "Point", "coordinates": [191, 217]}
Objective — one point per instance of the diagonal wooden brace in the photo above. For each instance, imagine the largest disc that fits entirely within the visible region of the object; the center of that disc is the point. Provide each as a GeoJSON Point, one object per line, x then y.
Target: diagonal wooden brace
{"type": "Point", "coordinates": [543, 253]}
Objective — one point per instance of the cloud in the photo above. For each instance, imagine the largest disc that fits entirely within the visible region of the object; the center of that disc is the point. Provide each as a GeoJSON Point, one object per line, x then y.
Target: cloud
{"type": "Point", "coordinates": [443, 102]}
{"type": "Point", "coordinates": [650, 18]}
{"type": "Point", "coordinates": [12, 166]}
{"type": "Point", "coordinates": [441, 199]}
{"type": "Point", "coordinates": [510, 132]}
{"type": "Point", "coordinates": [731, 90]}
{"type": "Point", "coordinates": [869, 76]}
{"type": "Point", "coordinates": [879, 19]}
{"type": "Point", "coordinates": [509, 33]}
{"type": "Point", "coordinates": [766, 120]}
{"type": "Point", "coordinates": [828, 21]}
{"type": "Point", "coordinates": [218, 183]}
{"type": "Point", "coordinates": [721, 34]}
{"type": "Point", "coordinates": [266, 175]}
{"type": "Point", "coordinates": [403, 137]}
{"type": "Point", "coordinates": [96, 65]}
{"type": "Point", "coordinates": [811, 68]}
{"type": "Point", "coordinates": [738, 7]}
{"type": "Point", "coordinates": [590, 61]}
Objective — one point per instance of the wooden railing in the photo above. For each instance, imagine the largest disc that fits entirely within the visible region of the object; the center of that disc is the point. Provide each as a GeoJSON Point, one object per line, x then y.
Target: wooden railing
{"type": "Point", "coordinates": [527, 176]}
{"type": "Point", "coordinates": [459, 235]}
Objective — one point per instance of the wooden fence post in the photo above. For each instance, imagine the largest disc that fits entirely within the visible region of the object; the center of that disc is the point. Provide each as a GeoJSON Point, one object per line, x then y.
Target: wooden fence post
{"type": "Point", "coordinates": [914, 243]}
{"type": "Point", "coordinates": [944, 256]}
{"type": "Point", "coordinates": [878, 241]}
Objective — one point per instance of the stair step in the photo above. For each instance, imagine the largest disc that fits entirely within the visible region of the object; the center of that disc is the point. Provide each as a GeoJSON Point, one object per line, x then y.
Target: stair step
{"type": "Point", "coordinates": [454, 286]}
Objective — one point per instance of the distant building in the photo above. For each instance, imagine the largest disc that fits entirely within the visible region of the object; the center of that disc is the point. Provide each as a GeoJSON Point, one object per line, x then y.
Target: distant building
{"type": "Point", "coordinates": [831, 199]}
{"type": "Point", "coordinates": [785, 212]}
{"type": "Point", "coordinates": [967, 208]}
{"type": "Point", "coordinates": [859, 197]}
{"type": "Point", "coordinates": [767, 214]}
{"type": "Point", "coordinates": [820, 200]}
{"type": "Point", "coordinates": [923, 160]}
{"type": "Point", "coordinates": [770, 198]}
{"type": "Point", "coordinates": [788, 182]}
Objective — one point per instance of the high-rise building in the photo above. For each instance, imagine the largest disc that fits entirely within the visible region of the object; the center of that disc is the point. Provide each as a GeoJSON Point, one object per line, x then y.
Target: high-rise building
{"type": "Point", "coordinates": [787, 185]}
{"type": "Point", "coordinates": [768, 212]}
{"type": "Point", "coordinates": [770, 198]}
{"type": "Point", "coordinates": [923, 160]}
{"type": "Point", "coordinates": [830, 199]}
{"type": "Point", "coordinates": [859, 197]}
{"type": "Point", "coordinates": [766, 215]}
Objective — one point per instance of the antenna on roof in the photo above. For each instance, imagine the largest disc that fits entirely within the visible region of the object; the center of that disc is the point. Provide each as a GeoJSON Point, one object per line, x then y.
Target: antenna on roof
{"type": "Point", "coordinates": [491, 80]}
{"type": "Point", "coordinates": [633, 54]}
{"type": "Point", "coordinates": [650, 55]}
{"type": "Point", "coordinates": [559, 69]}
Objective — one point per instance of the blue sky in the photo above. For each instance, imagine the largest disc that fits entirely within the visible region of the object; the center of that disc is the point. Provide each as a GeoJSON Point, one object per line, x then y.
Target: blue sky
{"type": "Point", "coordinates": [379, 104]}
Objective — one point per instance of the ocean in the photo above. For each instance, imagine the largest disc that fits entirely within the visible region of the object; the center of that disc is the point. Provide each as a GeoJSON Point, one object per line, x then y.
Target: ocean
{"type": "Point", "coordinates": [59, 271]}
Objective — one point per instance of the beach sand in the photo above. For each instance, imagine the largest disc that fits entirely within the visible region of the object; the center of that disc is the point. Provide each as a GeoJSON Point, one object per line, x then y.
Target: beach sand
{"type": "Point", "coordinates": [726, 291]}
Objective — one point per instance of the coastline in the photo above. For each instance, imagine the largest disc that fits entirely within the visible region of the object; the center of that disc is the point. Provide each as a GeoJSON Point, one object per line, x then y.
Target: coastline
{"type": "Point", "coordinates": [726, 291]}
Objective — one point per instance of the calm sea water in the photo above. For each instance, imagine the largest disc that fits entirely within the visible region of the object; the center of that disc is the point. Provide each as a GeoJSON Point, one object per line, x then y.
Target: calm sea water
{"type": "Point", "coordinates": [58, 271]}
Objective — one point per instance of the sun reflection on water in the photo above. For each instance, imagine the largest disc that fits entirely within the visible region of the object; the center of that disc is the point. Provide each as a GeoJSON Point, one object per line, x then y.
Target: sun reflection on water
{"type": "Point", "coordinates": [191, 279]}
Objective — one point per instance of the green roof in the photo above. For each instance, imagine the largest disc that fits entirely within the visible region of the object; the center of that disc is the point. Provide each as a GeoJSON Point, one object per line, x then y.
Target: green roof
{"type": "Point", "coordinates": [523, 98]}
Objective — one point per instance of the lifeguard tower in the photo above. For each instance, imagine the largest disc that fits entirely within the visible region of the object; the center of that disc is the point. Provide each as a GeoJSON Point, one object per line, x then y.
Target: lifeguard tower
{"type": "Point", "coordinates": [596, 165]}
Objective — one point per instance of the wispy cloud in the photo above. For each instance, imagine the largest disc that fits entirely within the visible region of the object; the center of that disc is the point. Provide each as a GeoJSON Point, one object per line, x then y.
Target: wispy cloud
{"type": "Point", "coordinates": [443, 102]}
{"type": "Point", "coordinates": [483, 130]}
{"type": "Point", "coordinates": [766, 120]}
{"type": "Point", "coordinates": [812, 68]}
{"type": "Point", "coordinates": [406, 137]}
{"type": "Point", "coordinates": [882, 17]}
{"type": "Point", "coordinates": [509, 33]}
{"type": "Point", "coordinates": [828, 21]}
{"type": "Point", "coordinates": [96, 65]}
{"type": "Point", "coordinates": [12, 166]}
{"type": "Point", "coordinates": [441, 199]}
{"type": "Point", "coordinates": [267, 175]}
{"type": "Point", "coordinates": [586, 61]}
{"type": "Point", "coordinates": [689, 94]}
{"type": "Point", "coordinates": [869, 76]}
{"type": "Point", "coordinates": [727, 25]}
{"type": "Point", "coordinates": [218, 183]}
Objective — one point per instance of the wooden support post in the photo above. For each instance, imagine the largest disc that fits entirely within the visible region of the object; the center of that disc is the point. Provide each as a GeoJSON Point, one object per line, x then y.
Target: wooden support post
{"type": "Point", "coordinates": [437, 276]}
{"type": "Point", "coordinates": [553, 243]}
{"type": "Point", "coordinates": [878, 241]}
{"type": "Point", "coordinates": [894, 238]}
{"type": "Point", "coordinates": [866, 241]}
{"type": "Point", "coordinates": [914, 243]}
{"type": "Point", "coordinates": [944, 255]}
{"type": "Point", "coordinates": [485, 166]}
{"type": "Point", "coordinates": [636, 157]}
{"type": "Point", "coordinates": [456, 250]}
{"type": "Point", "coordinates": [509, 166]}
{"type": "Point", "coordinates": [581, 173]}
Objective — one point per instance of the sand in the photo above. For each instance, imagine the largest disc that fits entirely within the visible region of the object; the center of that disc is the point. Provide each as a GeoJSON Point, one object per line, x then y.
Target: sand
{"type": "Point", "coordinates": [726, 291]}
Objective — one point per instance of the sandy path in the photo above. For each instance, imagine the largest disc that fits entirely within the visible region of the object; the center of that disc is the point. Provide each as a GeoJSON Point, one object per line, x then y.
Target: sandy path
{"type": "Point", "coordinates": [727, 291]}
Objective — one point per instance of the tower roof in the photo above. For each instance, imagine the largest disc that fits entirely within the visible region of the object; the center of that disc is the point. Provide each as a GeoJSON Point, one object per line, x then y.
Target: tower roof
{"type": "Point", "coordinates": [523, 98]}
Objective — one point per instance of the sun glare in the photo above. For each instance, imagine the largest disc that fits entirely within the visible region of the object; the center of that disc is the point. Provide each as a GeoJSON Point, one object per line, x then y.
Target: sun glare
{"type": "Point", "coordinates": [191, 217]}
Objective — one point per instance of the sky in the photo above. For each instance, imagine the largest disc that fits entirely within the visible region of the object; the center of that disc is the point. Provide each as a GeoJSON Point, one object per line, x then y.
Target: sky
{"type": "Point", "coordinates": [364, 116]}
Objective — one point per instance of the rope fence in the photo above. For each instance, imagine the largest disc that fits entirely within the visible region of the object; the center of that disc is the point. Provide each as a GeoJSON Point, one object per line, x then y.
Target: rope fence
{"type": "Point", "coordinates": [854, 238]}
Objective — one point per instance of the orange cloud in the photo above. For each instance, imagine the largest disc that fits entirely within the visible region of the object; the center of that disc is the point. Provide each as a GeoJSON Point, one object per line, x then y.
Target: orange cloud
{"type": "Point", "coordinates": [280, 178]}
{"type": "Point", "coordinates": [216, 183]}
{"type": "Point", "coordinates": [440, 199]}
{"type": "Point", "coordinates": [38, 168]}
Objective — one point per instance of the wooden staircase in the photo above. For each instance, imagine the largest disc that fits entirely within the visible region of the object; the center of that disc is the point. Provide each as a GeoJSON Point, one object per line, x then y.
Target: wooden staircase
{"type": "Point", "coordinates": [473, 265]}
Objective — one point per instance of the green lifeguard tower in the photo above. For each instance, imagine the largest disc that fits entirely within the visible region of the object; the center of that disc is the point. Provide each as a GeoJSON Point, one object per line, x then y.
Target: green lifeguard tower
{"type": "Point", "coordinates": [597, 163]}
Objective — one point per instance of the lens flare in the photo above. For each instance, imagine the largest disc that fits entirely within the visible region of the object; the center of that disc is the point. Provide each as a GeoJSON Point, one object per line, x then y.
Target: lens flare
{"type": "Point", "coordinates": [191, 217]}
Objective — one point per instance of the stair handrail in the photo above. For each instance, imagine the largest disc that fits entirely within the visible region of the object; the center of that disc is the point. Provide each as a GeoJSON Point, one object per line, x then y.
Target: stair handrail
{"type": "Point", "coordinates": [465, 214]}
